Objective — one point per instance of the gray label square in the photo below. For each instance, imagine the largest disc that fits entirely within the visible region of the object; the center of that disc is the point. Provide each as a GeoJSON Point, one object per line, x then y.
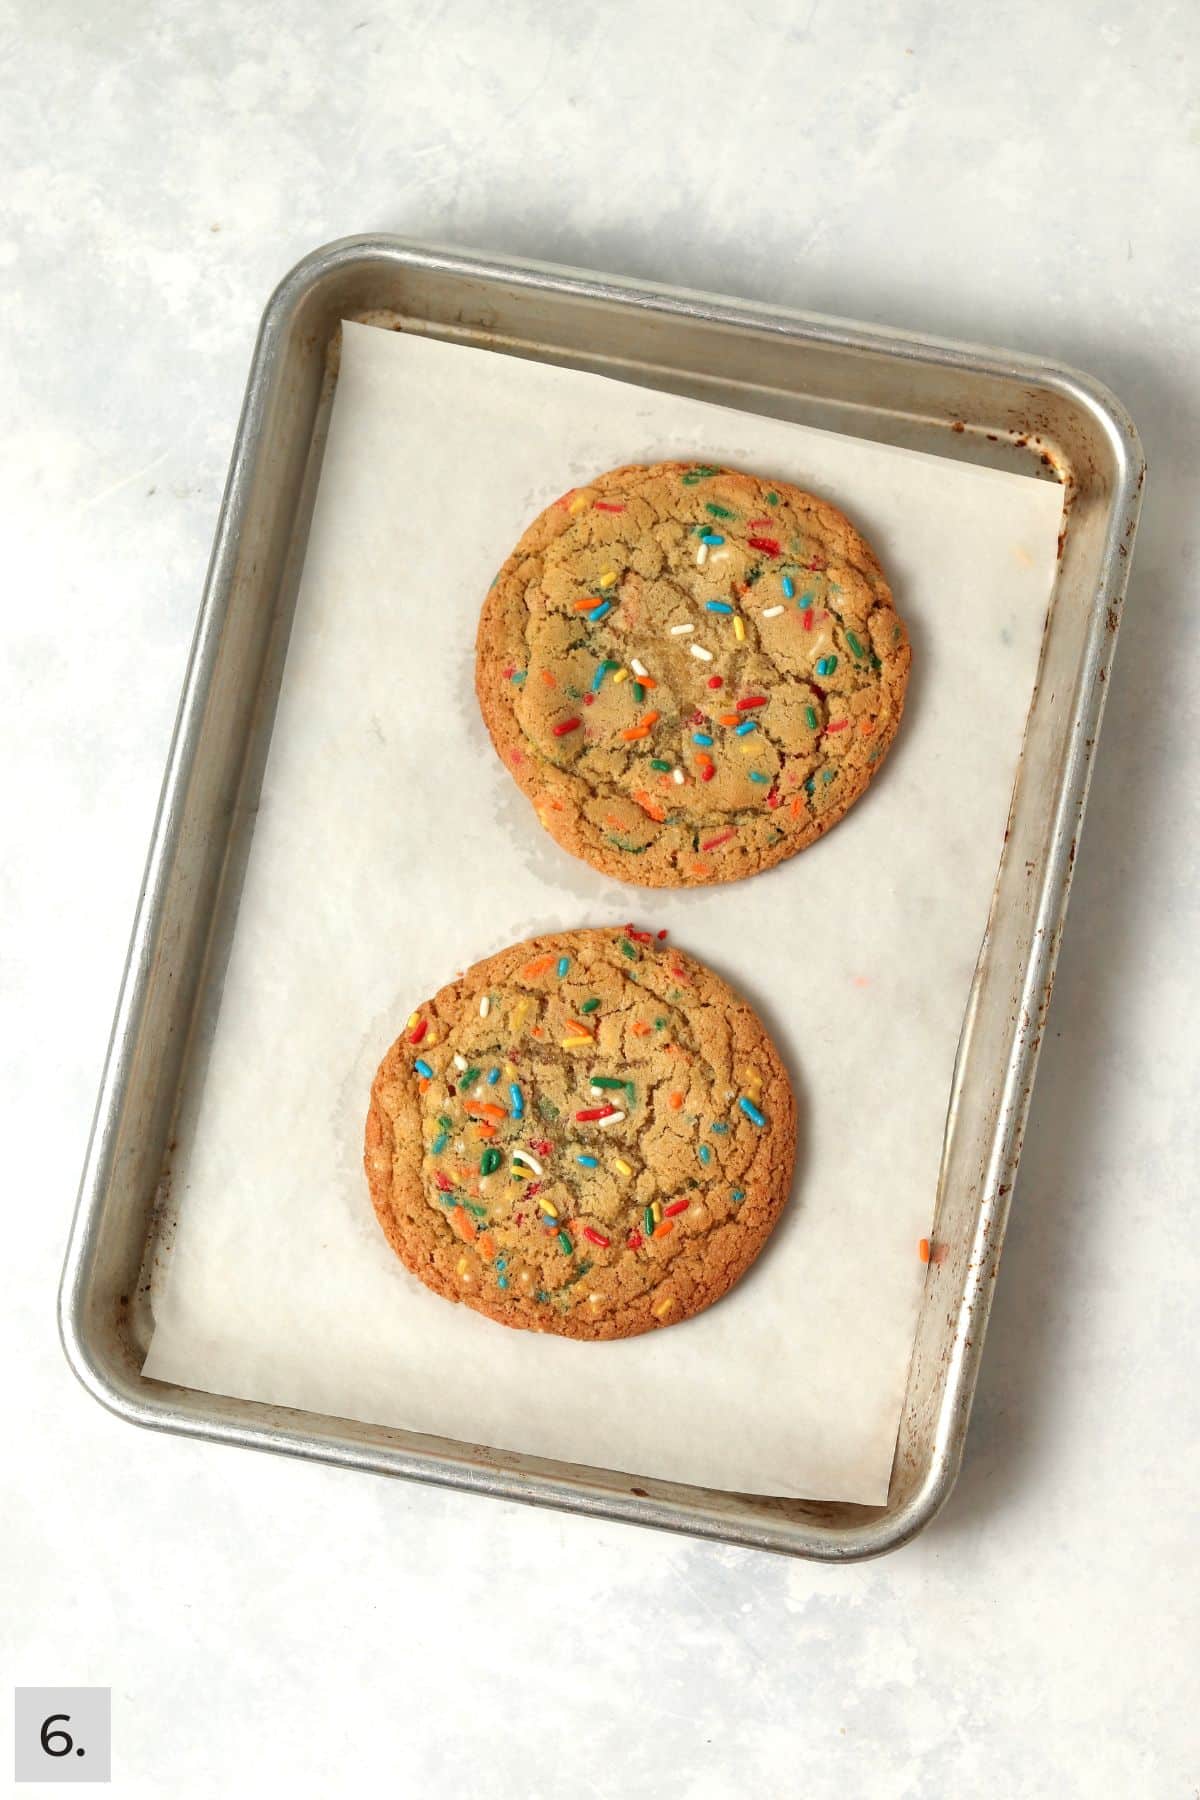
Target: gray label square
{"type": "Point", "coordinates": [63, 1734]}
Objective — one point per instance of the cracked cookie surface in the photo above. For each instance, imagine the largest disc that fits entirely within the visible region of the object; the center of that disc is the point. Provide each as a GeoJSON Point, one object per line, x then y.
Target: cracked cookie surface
{"type": "Point", "coordinates": [692, 673]}
{"type": "Point", "coordinates": [588, 1134]}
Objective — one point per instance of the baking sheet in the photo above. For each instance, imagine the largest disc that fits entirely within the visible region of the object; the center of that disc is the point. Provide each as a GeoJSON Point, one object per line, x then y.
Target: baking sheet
{"type": "Point", "coordinates": [391, 848]}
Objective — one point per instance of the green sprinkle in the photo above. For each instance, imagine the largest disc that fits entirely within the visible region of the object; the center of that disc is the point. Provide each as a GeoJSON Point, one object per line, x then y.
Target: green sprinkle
{"type": "Point", "coordinates": [659, 1023]}
{"type": "Point", "coordinates": [446, 1122]}
{"type": "Point", "coordinates": [489, 1161]}
{"type": "Point", "coordinates": [607, 1081]}
{"type": "Point", "coordinates": [772, 499]}
{"type": "Point", "coordinates": [700, 473]}
{"type": "Point", "coordinates": [547, 1108]}
{"type": "Point", "coordinates": [738, 1194]}
{"type": "Point", "coordinates": [719, 512]}
{"type": "Point", "coordinates": [567, 1247]}
{"type": "Point", "coordinates": [656, 762]}
{"type": "Point", "coordinates": [627, 949]}
{"type": "Point", "coordinates": [810, 718]}
{"type": "Point", "coordinates": [631, 1090]}
{"type": "Point", "coordinates": [480, 1212]}
{"type": "Point", "coordinates": [856, 648]}
{"type": "Point", "coordinates": [540, 1294]}
{"type": "Point", "coordinates": [648, 1222]}
{"type": "Point", "coordinates": [469, 1078]}
{"type": "Point", "coordinates": [718, 1126]}
{"type": "Point", "coordinates": [627, 844]}
{"type": "Point", "coordinates": [438, 1144]}
{"type": "Point", "coordinates": [589, 1006]}
{"type": "Point", "coordinates": [639, 692]}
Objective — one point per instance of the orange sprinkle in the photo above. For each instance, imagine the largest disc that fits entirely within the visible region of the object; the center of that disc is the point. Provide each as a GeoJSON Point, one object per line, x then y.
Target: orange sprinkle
{"type": "Point", "coordinates": [465, 1223]}
{"type": "Point", "coordinates": [586, 605]}
{"type": "Point", "coordinates": [647, 681]}
{"type": "Point", "coordinates": [635, 732]}
{"type": "Point", "coordinates": [578, 1025]}
{"type": "Point", "coordinates": [422, 1082]}
{"type": "Point", "coordinates": [867, 727]}
{"type": "Point", "coordinates": [665, 1229]}
{"type": "Point", "coordinates": [674, 1101]}
{"type": "Point", "coordinates": [538, 966]}
{"type": "Point", "coordinates": [537, 1032]}
{"type": "Point", "coordinates": [548, 678]}
{"type": "Point", "coordinates": [648, 805]}
{"type": "Point", "coordinates": [487, 1244]}
{"type": "Point", "coordinates": [923, 1250]}
{"type": "Point", "coordinates": [482, 1129]}
{"type": "Point", "coordinates": [699, 868]}
{"type": "Point", "coordinates": [641, 1029]}
{"type": "Point", "coordinates": [485, 1109]}
{"type": "Point", "coordinates": [731, 718]}
{"type": "Point", "coordinates": [795, 807]}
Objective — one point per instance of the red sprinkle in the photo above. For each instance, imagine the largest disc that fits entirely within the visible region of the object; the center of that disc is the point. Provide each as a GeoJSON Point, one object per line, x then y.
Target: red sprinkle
{"type": "Point", "coordinates": [772, 801]}
{"type": "Point", "coordinates": [716, 681]}
{"type": "Point", "coordinates": [589, 699]}
{"type": "Point", "coordinates": [661, 936]}
{"type": "Point", "coordinates": [759, 524]}
{"type": "Point", "coordinates": [676, 1206]}
{"type": "Point", "coordinates": [418, 1031]}
{"type": "Point", "coordinates": [595, 1112]}
{"type": "Point", "coordinates": [567, 725]}
{"type": "Point", "coordinates": [542, 1146]}
{"type": "Point", "coordinates": [808, 619]}
{"type": "Point", "coordinates": [634, 1240]}
{"type": "Point", "coordinates": [596, 1237]}
{"type": "Point", "coordinates": [607, 506]}
{"type": "Point", "coordinates": [708, 771]}
{"type": "Point", "coordinates": [751, 701]}
{"type": "Point", "coordinates": [722, 837]}
{"type": "Point", "coordinates": [639, 937]}
{"type": "Point", "coordinates": [768, 546]}
{"type": "Point", "coordinates": [837, 725]}
{"type": "Point", "coordinates": [679, 974]}
{"type": "Point", "coordinates": [446, 1186]}
{"type": "Point", "coordinates": [532, 1189]}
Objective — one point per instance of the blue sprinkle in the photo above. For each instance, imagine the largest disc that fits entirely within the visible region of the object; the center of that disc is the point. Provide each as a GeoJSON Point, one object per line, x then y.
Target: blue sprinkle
{"type": "Point", "coordinates": [755, 775]}
{"type": "Point", "coordinates": [827, 775]}
{"type": "Point", "coordinates": [789, 587]}
{"type": "Point", "coordinates": [701, 737]}
{"type": "Point", "coordinates": [751, 1111]}
{"type": "Point", "coordinates": [809, 785]}
{"type": "Point", "coordinates": [493, 1077]}
{"type": "Point", "coordinates": [588, 1162]}
{"type": "Point", "coordinates": [502, 1281]}
{"type": "Point", "coordinates": [747, 725]}
{"type": "Point", "coordinates": [518, 1100]}
{"type": "Point", "coordinates": [501, 1264]}
{"type": "Point", "coordinates": [705, 1154]}
{"type": "Point", "coordinates": [438, 1144]}
{"type": "Point", "coordinates": [721, 606]}
{"type": "Point", "coordinates": [599, 612]}
{"type": "Point", "coordinates": [804, 602]}
{"type": "Point", "coordinates": [718, 1125]}
{"type": "Point", "coordinates": [739, 1194]}
{"type": "Point", "coordinates": [519, 676]}
{"type": "Point", "coordinates": [423, 1068]}
{"type": "Point", "coordinates": [564, 963]}
{"type": "Point", "coordinates": [822, 665]}
{"type": "Point", "coordinates": [711, 537]}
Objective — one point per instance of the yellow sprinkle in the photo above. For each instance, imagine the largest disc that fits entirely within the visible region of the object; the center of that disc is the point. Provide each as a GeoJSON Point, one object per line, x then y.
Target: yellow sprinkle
{"type": "Point", "coordinates": [520, 1014]}
{"type": "Point", "coordinates": [412, 1019]}
{"type": "Point", "coordinates": [608, 577]}
{"type": "Point", "coordinates": [621, 675]}
{"type": "Point", "coordinates": [749, 746]}
{"type": "Point", "coordinates": [575, 1043]}
{"type": "Point", "coordinates": [510, 1069]}
{"type": "Point", "coordinates": [739, 630]}
{"type": "Point", "coordinates": [753, 1081]}
{"type": "Point", "coordinates": [548, 1206]}
{"type": "Point", "coordinates": [622, 1165]}
{"type": "Point", "coordinates": [656, 1209]}
{"type": "Point", "coordinates": [464, 1268]}
{"type": "Point", "coordinates": [577, 504]}
{"type": "Point", "coordinates": [664, 1306]}
{"type": "Point", "coordinates": [520, 1169]}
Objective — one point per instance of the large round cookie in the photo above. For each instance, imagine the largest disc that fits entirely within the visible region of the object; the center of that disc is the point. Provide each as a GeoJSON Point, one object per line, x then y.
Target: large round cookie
{"type": "Point", "coordinates": [692, 673]}
{"type": "Point", "coordinates": [588, 1134]}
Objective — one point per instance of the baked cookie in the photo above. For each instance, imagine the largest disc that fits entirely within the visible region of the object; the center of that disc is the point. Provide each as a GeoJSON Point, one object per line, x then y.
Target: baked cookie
{"type": "Point", "coordinates": [588, 1134]}
{"type": "Point", "coordinates": [692, 673]}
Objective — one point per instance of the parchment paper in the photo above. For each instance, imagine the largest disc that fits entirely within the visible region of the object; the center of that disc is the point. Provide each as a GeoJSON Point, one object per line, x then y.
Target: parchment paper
{"type": "Point", "coordinates": [391, 849]}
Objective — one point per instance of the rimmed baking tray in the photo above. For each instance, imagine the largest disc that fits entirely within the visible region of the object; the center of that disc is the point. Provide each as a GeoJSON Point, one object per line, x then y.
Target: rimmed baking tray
{"type": "Point", "coordinates": [954, 400]}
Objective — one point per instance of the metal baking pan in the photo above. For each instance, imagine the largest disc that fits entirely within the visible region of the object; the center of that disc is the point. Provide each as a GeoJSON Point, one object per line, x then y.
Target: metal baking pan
{"type": "Point", "coordinates": [988, 406]}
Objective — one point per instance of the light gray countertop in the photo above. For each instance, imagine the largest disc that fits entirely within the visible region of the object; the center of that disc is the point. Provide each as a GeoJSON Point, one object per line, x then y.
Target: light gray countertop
{"type": "Point", "coordinates": [1024, 177]}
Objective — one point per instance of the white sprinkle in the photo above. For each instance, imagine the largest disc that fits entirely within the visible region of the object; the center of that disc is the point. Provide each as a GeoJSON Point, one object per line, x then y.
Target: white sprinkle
{"type": "Point", "coordinates": [595, 1089]}
{"type": "Point", "coordinates": [460, 1062]}
{"type": "Point", "coordinates": [681, 630]}
{"type": "Point", "coordinates": [612, 1119]}
{"type": "Point", "coordinates": [701, 652]}
{"type": "Point", "coordinates": [531, 1162]}
{"type": "Point", "coordinates": [702, 555]}
{"type": "Point", "coordinates": [485, 1005]}
{"type": "Point", "coordinates": [772, 612]}
{"type": "Point", "coordinates": [677, 777]}
{"type": "Point", "coordinates": [638, 668]}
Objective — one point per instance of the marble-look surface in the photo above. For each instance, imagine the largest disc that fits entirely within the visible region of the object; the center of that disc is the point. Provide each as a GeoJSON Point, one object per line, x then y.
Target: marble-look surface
{"type": "Point", "coordinates": [1025, 177]}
